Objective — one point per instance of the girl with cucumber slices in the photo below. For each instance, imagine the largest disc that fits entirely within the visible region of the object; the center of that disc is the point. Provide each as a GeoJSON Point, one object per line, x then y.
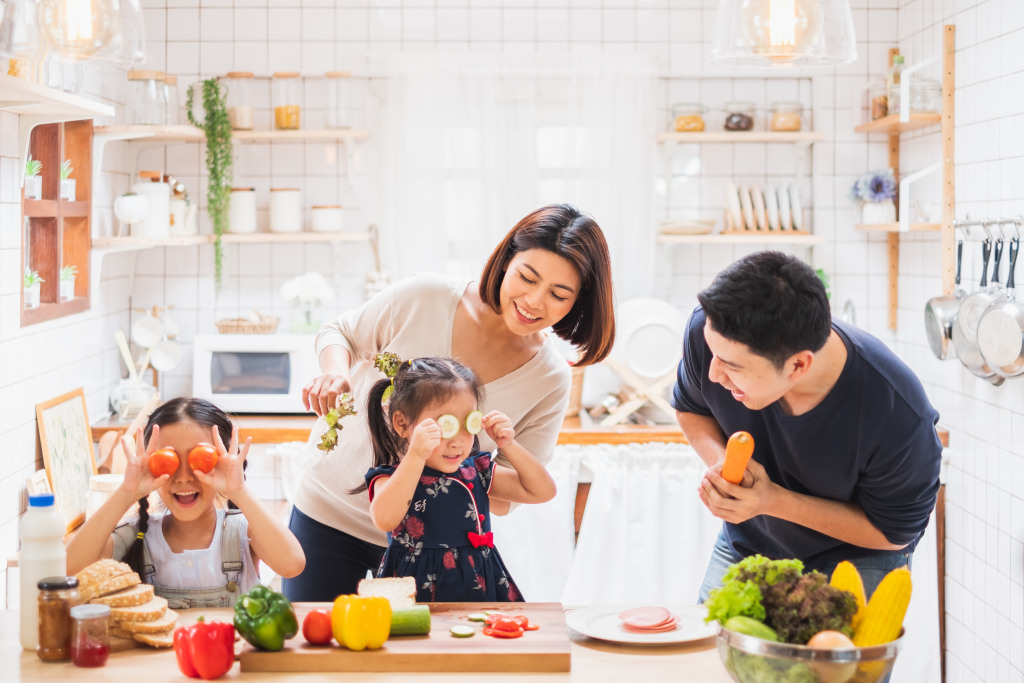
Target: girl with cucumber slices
{"type": "Point", "coordinates": [549, 277]}
{"type": "Point", "coordinates": [429, 486]}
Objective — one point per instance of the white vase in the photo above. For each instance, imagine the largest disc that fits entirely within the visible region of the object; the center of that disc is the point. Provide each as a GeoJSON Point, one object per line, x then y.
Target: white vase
{"type": "Point", "coordinates": [306, 319]}
{"type": "Point", "coordinates": [67, 289]}
{"type": "Point", "coordinates": [32, 296]}
{"type": "Point", "coordinates": [33, 187]}
{"type": "Point", "coordinates": [67, 189]}
{"type": "Point", "coordinates": [874, 213]}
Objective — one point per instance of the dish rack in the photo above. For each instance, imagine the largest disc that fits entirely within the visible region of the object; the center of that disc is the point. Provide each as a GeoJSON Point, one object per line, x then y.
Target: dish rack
{"type": "Point", "coordinates": [265, 324]}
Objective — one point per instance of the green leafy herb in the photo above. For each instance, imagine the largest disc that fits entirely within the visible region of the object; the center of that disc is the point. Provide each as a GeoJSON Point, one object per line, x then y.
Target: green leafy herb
{"type": "Point", "coordinates": [387, 362]}
{"type": "Point", "coordinates": [65, 169]}
{"type": "Point", "coordinates": [346, 406]}
{"type": "Point", "coordinates": [32, 277]}
{"type": "Point", "coordinates": [68, 273]}
{"type": "Point", "coordinates": [33, 166]}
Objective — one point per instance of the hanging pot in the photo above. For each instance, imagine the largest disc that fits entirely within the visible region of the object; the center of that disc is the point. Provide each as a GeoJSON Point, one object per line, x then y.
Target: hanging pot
{"type": "Point", "coordinates": [940, 312]}
{"type": "Point", "coordinates": [1001, 329]}
{"type": "Point", "coordinates": [965, 327]}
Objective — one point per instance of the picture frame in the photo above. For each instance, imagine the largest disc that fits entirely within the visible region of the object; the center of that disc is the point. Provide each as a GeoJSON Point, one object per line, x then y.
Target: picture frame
{"type": "Point", "coordinates": [65, 438]}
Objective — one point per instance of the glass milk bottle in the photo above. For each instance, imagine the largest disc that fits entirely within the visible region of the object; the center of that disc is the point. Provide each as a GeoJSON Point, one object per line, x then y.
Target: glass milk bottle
{"type": "Point", "coordinates": [42, 555]}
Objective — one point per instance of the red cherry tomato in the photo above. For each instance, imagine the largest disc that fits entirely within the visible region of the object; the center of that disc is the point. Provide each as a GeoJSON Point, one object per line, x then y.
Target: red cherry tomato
{"type": "Point", "coordinates": [316, 627]}
{"type": "Point", "coordinates": [163, 461]}
{"type": "Point", "coordinates": [203, 458]}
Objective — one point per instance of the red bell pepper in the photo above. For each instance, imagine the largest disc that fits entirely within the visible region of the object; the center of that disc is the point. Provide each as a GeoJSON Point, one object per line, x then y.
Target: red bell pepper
{"type": "Point", "coordinates": [205, 650]}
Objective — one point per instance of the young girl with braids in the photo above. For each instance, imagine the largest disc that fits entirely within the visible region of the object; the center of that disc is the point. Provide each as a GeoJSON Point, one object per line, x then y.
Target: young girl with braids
{"type": "Point", "coordinates": [196, 554]}
{"type": "Point", "coordinates": [430, 485]}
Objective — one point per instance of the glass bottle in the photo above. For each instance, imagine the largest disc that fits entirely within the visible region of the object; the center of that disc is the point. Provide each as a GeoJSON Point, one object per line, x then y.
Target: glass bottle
{"type": "Point", "coordinates": [739, 116]}
{"type": "Point", "coordinates": [171, 97]}
{"type": "Point", "coordinates": [926, 96]}
{"type": "Point", "coordinates": [241, 112]}
{"type": "Point", "coordinates": [786, 116]}
{"type": "Point", "coordinates": [147, 98]}
{"type": "Point", "coordinates": [879, 100]}
{"type": "Point", "coordinates": [892, 81]}
{"type": "Point", "coordinates": [688, 117]}
{"type": "Point", "coordinates": [57, 595]}
{"type": "Point", "coordinates": [337, 99]}
{"type": "Point", "coordinates": [90, 635]}
{"type": "Point", "coordinates": [286, 100]}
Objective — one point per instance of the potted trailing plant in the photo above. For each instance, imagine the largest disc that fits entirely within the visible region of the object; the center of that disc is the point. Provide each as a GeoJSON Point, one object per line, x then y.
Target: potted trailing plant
{"type": "Point", "coordinates": [67, 282]}
{"type": "Point", "coordinates": [876, 192]}
{"type": "Point", "coordinates": [31, 282]}
{"type": "Point", "coordinates": [67, 183]}
{"type": "Point", "coordinates": [217, 127]}
{"type": "Point", "coordinates": [33, 181]}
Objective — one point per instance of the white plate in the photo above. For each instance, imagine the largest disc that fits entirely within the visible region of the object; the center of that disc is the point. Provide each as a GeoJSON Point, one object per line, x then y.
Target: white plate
{"type": "Point", "coordinates": [732, 202]}
{"type": "Point", "coordinates": [759, 209]}
{"type": "Point", "coordinates": [648, 336]}
{"type": "Point", "coordinates": [771, 207]}
{"type": "Point", "coordinates": [747, 204]}
{"type": "Point", "coordinates": [147, 331]}
{"type": "Point", "coordinates": [785, 216]}
{"type": "Point", "coordinates": [796, 207]}
{"type": "Point", "coordinates": [602, 622]}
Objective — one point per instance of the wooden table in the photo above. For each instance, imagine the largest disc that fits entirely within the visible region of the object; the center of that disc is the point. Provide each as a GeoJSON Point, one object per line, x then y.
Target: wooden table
{"type": "Point", "coordinates": [593, 661]}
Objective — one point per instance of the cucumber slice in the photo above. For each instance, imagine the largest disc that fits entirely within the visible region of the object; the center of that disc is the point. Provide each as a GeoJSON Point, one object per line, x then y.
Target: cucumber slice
{"type": "Point", "coordinates": [449, 425]}
{"type": "Point", "coordinates": [474, 422]}
{"type": "Point", "coordinates": [477, 616]}
{"type": "Point", "coordinates": [462, 631]}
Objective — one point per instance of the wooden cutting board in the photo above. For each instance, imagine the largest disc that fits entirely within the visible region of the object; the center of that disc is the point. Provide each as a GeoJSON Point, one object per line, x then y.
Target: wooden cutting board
{"type": "Point", "coordinates": [546, 649]}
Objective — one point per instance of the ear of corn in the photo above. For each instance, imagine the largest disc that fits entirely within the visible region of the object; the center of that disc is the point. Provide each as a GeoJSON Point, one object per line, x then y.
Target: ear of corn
{"type": "Point", "coordinates": [883, 616]}
{"type": "Point", "coordinates": [847, 578]}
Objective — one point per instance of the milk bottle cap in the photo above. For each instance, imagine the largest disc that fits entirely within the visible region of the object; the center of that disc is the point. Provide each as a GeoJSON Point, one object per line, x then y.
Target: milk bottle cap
{"type": "Point", "coordinates": [40, 500]}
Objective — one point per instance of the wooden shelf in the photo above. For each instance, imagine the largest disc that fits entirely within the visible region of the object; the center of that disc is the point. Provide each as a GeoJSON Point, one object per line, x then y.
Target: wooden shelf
{"type": "Point", "coordinates": [135, 243]}
{"type": "Point", "coordinates": [781, 237]}
{"type": "Point", "coordinates": [31, 99]}
{"type": "Point", "coordinates": [895, 227]}
{"type": "Point", "coordinates": [892, 124]}
{"type": "Point", "coordinates": [805, 137]}
{"type": "Point", "coordinates": [188, 133]}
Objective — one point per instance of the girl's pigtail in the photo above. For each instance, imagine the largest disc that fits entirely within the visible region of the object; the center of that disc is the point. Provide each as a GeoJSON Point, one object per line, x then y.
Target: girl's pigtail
{"type": "Point", "coordinates": [136, 557]}
{"type": "Point", "coordinates": [382, 437]}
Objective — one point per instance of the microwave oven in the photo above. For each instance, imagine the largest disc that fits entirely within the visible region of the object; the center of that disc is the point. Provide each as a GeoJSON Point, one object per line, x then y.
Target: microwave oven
{"type": "Point", "coordinates": [254, 373]}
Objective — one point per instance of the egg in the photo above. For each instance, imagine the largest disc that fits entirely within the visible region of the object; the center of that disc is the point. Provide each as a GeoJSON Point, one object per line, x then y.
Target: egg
{"type": "Point", "coordinates": [832, 672]}
{"type": "Point", "coordinates": [829, 640]}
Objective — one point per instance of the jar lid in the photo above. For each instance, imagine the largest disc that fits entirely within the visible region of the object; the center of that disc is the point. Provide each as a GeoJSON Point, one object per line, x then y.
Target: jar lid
{"type": "Point", "coordinates": [284, 189]}
{"type": "Point", "coordinates": [90, 611]}
{"type": "Point", "coordinates": [155, 176]}
{"type": "Point", "coordinates": [145, 75]}
{"type": "Point", "coordinates": [243, 189]}
{"type": "Point", "coordinates": [326, 206]}
{"type": "Point", "coordinates": [286, 74]}
{"type": "Point", "coordinates": [171, 80]}
{"type": "Point", "coordinates": [57, 583]}
{"type": "Point", "coordinates": [238, 74]}
{"type": "Point", "coordinates": [338, 74]}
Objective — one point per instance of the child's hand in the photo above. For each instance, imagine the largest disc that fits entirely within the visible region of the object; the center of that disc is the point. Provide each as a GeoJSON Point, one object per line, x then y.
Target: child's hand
{"type": "Point", "coordinates": [499, 428]}
{"type": "Point", "coordinates": [138, 480]}
{"type": "Point", "coordinates": [228, 477]}
{"type": "Point", "coordinates": [426, 438]}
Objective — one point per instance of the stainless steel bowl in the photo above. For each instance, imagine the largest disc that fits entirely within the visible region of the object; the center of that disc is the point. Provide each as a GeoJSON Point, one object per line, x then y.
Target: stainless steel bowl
{"type": "Point", "coordinates": [752, 660]}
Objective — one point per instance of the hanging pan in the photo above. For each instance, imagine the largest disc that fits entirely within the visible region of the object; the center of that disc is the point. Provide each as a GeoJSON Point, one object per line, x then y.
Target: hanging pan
{"type": "Point", "coordinates": [965, 327]}
{"type": "Point", "coordinates": [1001, 329]}
{"type": "Point", "coordinates": [940, 312]}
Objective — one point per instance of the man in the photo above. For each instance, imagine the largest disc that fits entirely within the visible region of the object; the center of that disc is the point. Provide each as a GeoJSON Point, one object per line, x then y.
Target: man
{"type": "Point", "coordinates": [846, 458]}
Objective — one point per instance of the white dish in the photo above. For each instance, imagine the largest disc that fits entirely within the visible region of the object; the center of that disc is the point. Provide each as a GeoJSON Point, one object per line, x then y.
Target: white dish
{"type": "Point", "coordinates": [759, 209]}
{"type": "Point", "coordinates": [648, 336]}
{"type": "Point", "coordinates": [147, 331]}
{"type": "Point", "coordinates": [747, 204]}
{"type": "Point", "coordinates": [785, 216]}
{"type": "Point", "coordinates": [602, 622]}
{"type": "Point", "coordinates": [693, 226]}
{"type": "Point", "coordinates": [771, 207]}
{"type": "Point", "coordinates": [796, 207]}
{"type": "Point", "coordinates": [732, 203]}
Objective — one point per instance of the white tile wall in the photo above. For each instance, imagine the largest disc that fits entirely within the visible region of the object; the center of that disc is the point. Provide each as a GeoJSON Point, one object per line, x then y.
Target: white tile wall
{"type": "Point", "coordinates": [985, 526]}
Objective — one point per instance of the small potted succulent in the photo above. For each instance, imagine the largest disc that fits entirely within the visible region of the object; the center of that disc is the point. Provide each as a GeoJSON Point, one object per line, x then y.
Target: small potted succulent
{"type": "Point", "coordinates": [876, 192]}
{"type": "Point", "coordinates": [32, 281]}
{"type": "Point", "coordinates": [67, 183]}
{"type": "Point", "coordinates": [33, 181]}
{"type": "Point", "coordinates": [67, 282]}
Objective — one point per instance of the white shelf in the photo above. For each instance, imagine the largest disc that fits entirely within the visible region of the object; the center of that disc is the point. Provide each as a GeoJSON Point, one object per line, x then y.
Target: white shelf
{"type": "Point", "coordinates": [136, 243]}
{"type": "Point", "coordinates": [189, 133]}
{"type": "Point", "coordinates": [754, 238]}
{"type": "Point", "coordinates": [801, 137]}
{"type": "Point", "coordinates": [31, 99]}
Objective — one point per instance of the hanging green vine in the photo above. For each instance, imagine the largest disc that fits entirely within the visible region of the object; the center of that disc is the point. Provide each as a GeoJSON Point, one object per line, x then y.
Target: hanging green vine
{"type": "Point", "coordinates": [217, 127]}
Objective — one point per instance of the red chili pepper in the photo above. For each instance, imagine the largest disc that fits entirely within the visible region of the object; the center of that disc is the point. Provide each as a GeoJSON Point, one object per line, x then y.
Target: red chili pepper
{"type": "Point", "coordinates": [496, 633]}
{"type": "Point", "coordinates": [204, 650]}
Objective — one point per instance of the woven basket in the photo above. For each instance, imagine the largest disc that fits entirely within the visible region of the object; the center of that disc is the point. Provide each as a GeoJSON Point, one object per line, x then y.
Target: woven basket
{"type": "Point", "coordinates": [575, 393]}
{"type": "Point", "coordinates": [266, 325]}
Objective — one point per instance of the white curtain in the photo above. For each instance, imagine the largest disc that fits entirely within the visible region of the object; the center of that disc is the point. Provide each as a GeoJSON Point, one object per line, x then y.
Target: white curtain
{"type": "Point", "coordinates": [471, 143]}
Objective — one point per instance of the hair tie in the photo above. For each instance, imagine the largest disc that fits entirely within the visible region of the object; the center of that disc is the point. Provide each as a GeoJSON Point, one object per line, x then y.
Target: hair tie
{"type": "Point", "coordinates": [140, 535]}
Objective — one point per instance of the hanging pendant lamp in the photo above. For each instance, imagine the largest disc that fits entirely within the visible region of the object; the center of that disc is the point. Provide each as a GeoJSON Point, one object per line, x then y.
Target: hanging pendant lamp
{"type": "Point", "coordinates": [74, 30]}
{"type": "Point", "coordinates": [783, 33]}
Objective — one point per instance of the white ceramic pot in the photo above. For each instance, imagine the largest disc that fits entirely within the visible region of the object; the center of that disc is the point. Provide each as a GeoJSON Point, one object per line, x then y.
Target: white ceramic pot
{"type": "Point", "coordinates": [67, 189]}
{"type": "Point", "coordinates": [876, 213]}
{"type": "Point", "coordinates": [285, 210]}
{"type": "Point", "coordinates": [242, 212]}
{"type": "Point", "coordinates": [32, 296]}
{"type": "Point", "coordinates": [33, 187]}
{"type": "Point", "coordinates": [67, 289]}
{"type": "Point", "coordinates": [157, 222]}
{"type": "Point", "coordinates": [325, 218]}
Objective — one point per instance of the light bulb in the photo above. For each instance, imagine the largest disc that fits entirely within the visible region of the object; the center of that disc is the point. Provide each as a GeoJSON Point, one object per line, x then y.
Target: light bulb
{"type": "Point", "coordinates": [77, 29]}
{"type": "Point", "coordinates": [782, 30]}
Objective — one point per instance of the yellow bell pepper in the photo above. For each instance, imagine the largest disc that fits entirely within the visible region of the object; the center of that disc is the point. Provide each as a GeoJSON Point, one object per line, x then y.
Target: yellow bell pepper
{"type": "Point", "coordinates": [361, 622]}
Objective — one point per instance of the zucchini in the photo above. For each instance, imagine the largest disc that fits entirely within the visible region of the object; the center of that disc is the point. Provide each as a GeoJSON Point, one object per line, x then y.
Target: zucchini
{"type": "Point", "coordinates": [410, 621]}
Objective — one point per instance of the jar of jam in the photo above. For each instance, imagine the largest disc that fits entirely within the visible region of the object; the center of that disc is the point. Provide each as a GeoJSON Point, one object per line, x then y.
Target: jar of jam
{"type": "Point", "coordinates": [786, 116]}
{"type": "Point", "coordinates": [287, 85]}
{"type": "Point", "coordinates": [90, 635]}
{"type": "Point", "coordinates": [57, 596]}
{"type": "Point", "coordinates": [688, 117]}
{"type": "Point", "coordinates": [879, 100]}
{"type": "Point", "coordinates": [739, 116]}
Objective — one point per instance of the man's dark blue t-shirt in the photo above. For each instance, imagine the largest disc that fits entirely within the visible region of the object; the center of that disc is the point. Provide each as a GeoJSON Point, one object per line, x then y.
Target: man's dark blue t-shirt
{"type": "Point", "coordinates": [871, 441]}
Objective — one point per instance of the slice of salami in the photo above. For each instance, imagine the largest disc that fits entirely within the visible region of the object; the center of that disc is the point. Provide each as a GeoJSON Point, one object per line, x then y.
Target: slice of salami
{"type": "Point", "coordinates": [645, 617]}
{"type": "Point", "coordinates": [669, 626]}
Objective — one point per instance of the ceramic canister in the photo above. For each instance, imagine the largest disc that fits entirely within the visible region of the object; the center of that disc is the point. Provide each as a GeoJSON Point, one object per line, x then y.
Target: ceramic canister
{"type": "Point", "coordinates": [285, 209]}
{"type": "Point", "coordinates": [325, 218]}
{"type": "Point", "coordinates": [157, 222]}
{"type": "Point", "coordinates": [242, 212]}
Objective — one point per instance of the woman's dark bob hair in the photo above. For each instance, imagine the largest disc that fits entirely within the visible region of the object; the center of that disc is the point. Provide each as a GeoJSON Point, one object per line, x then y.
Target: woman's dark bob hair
{"type": "Point", "coordinates": [564, 230]}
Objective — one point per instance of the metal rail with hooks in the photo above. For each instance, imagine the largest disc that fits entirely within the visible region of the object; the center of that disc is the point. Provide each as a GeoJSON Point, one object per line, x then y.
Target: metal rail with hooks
{"type": "Point", "coordinates": [988, 225]}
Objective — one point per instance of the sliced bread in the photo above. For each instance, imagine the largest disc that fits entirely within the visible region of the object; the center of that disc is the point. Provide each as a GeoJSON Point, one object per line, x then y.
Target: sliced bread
{"type": "Point", "coordinates": [400, 591]}
{"type": "Point", "coordinates": [139, 594]}
{"type": "Point", "coordinates": [165, 639]}
{"type": "Point", "coordinates": [149, 611]}
{"type": "Point", "coordinates": [100, 571]}
{"type": "Point", "coordinates": [94, 590]}
{"type": "Point", "coordinates": [162, 625]}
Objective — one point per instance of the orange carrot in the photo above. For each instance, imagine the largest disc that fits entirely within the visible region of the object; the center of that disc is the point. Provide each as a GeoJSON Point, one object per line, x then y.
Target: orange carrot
{"type": "Point", "coordinates": [737, 454]}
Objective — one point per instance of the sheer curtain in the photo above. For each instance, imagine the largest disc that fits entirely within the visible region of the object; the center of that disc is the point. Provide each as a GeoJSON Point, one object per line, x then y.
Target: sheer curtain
{"type": "Point", "coordinates": [470, 143]}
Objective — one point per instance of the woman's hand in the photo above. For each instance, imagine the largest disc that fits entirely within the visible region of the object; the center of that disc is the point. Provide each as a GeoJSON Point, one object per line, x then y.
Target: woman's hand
{"type": "Point", "coordinates": [228, 477]}
{"type": "Point", "coordinates": [322, 393]}
{"type": "Point", "coordinates": [138, 481]}
{"type": "Point", "coordinates": [426, 438]}
{"type": "Point", "coordinates": [499, 428]}
{"type": "Point", "coordinates": [737, 503]}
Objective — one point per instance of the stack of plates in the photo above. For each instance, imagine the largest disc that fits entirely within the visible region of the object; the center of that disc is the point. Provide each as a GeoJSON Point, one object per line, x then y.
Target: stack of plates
{"type": "Point", "coordinates": [750, 208]}
{"type": "Point", "coordinates": [689, 226]}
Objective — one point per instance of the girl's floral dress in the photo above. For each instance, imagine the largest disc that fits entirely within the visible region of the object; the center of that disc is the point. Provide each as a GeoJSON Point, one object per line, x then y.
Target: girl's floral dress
{"type": "Point", "coordinates": [445, 540]}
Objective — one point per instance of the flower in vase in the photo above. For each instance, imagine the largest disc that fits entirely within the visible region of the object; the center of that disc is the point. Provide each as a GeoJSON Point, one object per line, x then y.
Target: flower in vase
{"type": "Point", "coordinates": [876, 186]}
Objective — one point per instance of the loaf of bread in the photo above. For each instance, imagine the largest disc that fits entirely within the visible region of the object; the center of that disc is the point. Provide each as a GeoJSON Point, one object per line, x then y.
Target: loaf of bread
{"type": "Point", "coordinates": [400, 591]}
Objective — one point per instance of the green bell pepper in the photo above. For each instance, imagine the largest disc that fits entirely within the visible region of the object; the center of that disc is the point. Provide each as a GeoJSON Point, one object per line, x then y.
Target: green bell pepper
{"type": "Point", "coordinates": [265, 619]}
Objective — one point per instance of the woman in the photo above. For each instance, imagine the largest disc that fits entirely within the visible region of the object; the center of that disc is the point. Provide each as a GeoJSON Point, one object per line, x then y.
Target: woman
{"type": "Point", "coordinates": [551, 270]}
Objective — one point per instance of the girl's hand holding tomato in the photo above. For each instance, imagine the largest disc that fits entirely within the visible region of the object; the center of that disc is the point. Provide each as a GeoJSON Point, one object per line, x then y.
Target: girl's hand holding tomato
{"type": "Point", "coordinates": [163, 461]}
{"type": "Point", "coordinates": [202, 458]}
{"type": "Point", "coordinates": [145, 472]}
{"type": "Point", "coordinates": [226, 475]}
{"type": "Point", "coordinates": [316, 627]}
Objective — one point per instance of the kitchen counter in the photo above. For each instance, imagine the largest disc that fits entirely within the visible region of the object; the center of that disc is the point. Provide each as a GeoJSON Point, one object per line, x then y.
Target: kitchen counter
{"type": "Point", "coordinates": [593, 661]}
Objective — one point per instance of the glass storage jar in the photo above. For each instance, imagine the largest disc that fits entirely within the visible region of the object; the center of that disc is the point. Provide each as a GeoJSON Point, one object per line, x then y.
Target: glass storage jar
{"type": "Point", "coordinates": [879, 100]}
{"type": "Point", "coordinates": [57, 595]}
{"type": "Point", "coordinates": [786, 116]}
{"type": "Point", "coordinates": [688, 117]}
{"type": "Point", "coordinates": [147, 98]}
{"type": "Point", "coordinates": [925, 96]}
{"type": "Point", "coordinates": [287, 86]}
{"type": "Point", "coordinates": [739, 116]}
{"type": "Point", "coordinates": [241, 112]}
{"type": "Point", "coordinates": [90, 635]}
{"type": "Point", "coordinates": [173, 103]}
{"type": "Point", "coordinates": [337, 100]}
